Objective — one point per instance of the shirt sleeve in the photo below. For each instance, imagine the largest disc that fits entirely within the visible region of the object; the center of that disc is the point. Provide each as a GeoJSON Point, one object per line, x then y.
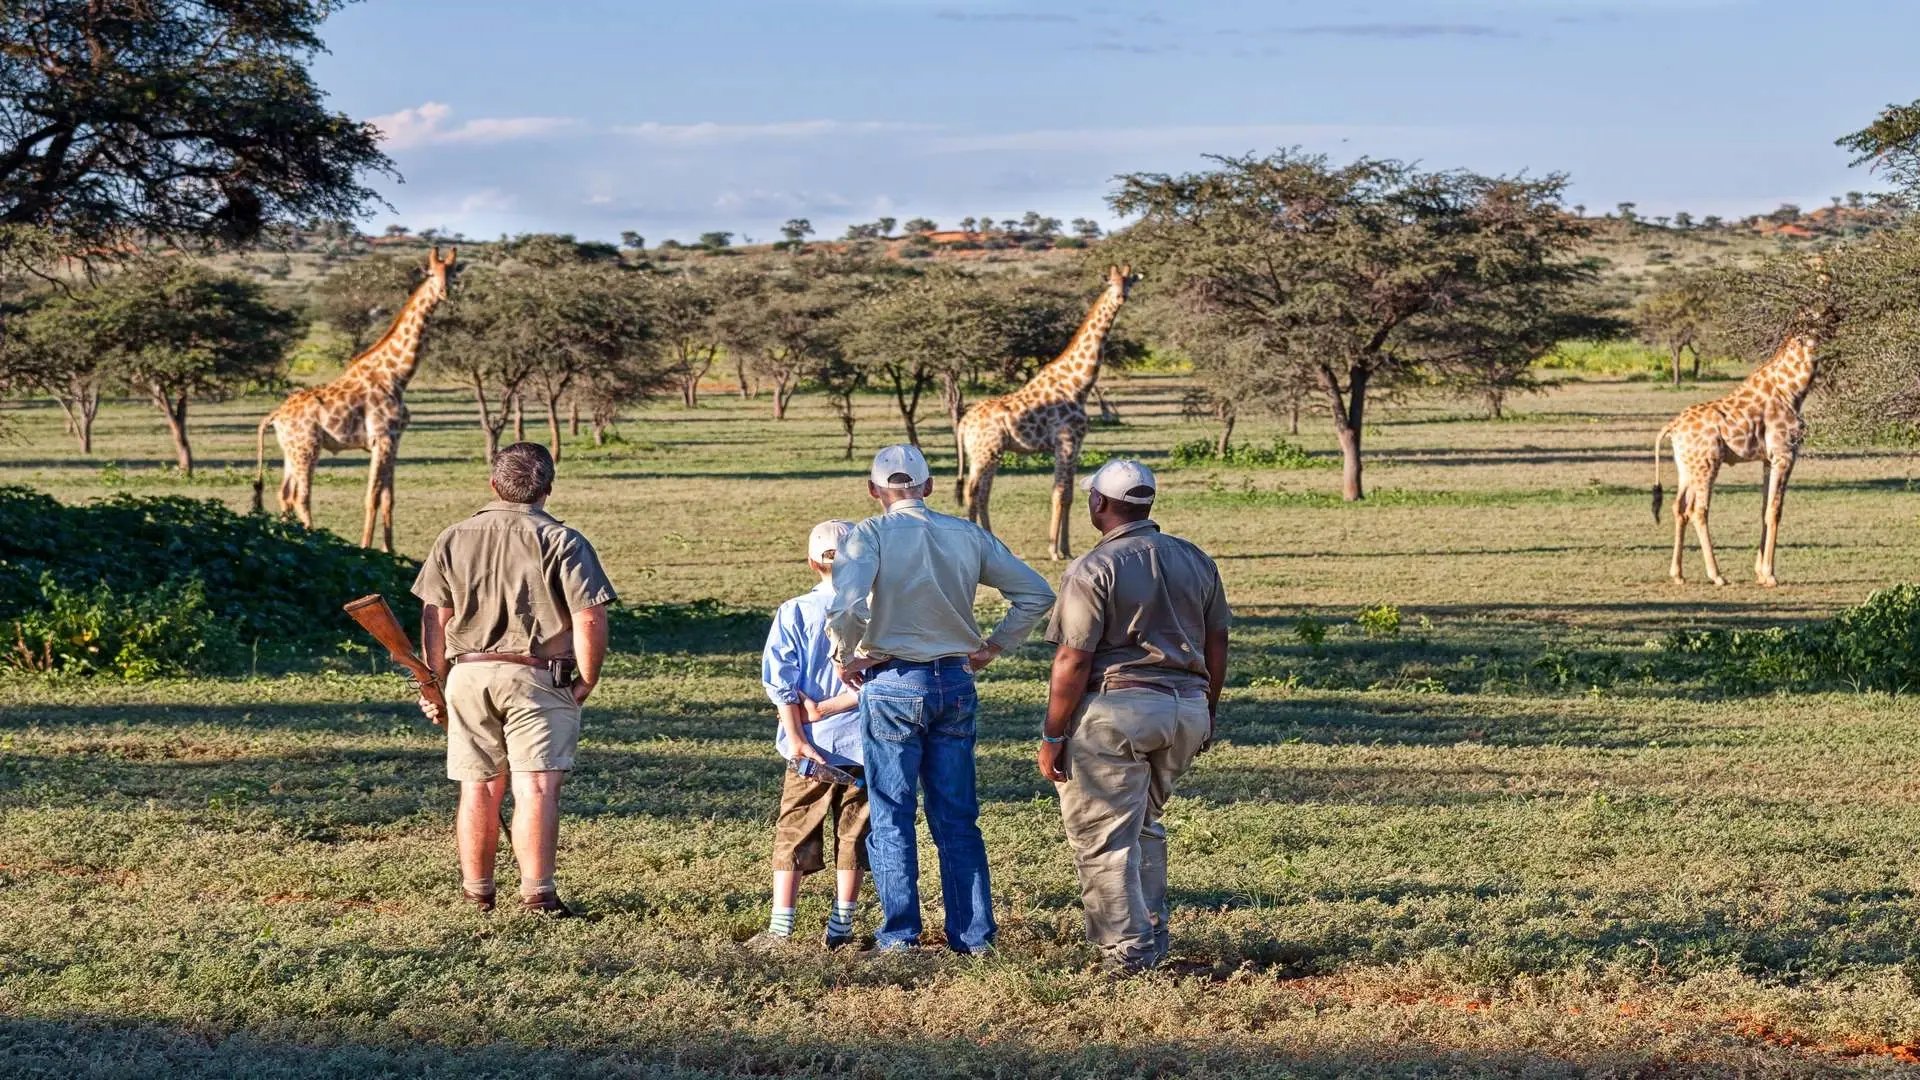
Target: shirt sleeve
{"type": "Point", "coordinates": [780, 661]}
{"type": "Point", "coordinates": [1080, 618]}
{"type": "Point", "coordinates": [431, 584]}
{"type": "Point", "coordinates": [855, 565]}
{"type": "Point", "coordinates": [582, 582]}
{"type": "Point", "coordinates": [1029, 598]}
{"type": "Point", "coordinates": [1218, 616]}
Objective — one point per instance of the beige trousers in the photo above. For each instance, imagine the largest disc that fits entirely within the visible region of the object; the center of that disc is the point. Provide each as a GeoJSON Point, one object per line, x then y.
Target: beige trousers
{"type": "Point", "coordinates": [1128, 749]}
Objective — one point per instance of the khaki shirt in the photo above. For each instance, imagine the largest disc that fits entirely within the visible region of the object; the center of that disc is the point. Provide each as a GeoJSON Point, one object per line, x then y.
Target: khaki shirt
{"type": "Point", "coordinates": [904, 584]}
{"type": "Point", "coordinates": [1142, 603]}
{"type": "Point", "coordinates": [513, 576]}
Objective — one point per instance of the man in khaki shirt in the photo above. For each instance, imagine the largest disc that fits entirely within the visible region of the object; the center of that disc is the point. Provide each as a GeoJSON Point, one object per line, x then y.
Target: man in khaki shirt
{"type": "Point", "coordinates": [514, 624]}
{"type": "Point", "coordinates": [1140, 636]}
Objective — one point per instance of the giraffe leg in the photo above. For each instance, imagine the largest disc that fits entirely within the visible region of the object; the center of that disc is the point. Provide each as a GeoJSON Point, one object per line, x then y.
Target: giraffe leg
{"type": "Point", "coordinates": [1674, 569]}
{"type": "Point", "coordinates": [1776, 500]}
{"type": "Point", "coordinates": [299, 479]}
{"type": "Point", "coordinates": [382, 454]}
{"type": "Point", "coordinates": [1698, 512]}
{"type": "Point", "coordinates": [1766, 499]}
{"type": "Point", "coordinates": [1066, 454]}
{"type": "Point", "coordinates": [386, 507]}
{"type": "Point", "coordinates": [983, 494]}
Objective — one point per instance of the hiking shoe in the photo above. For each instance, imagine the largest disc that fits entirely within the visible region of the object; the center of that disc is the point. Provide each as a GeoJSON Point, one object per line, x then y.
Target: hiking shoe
{"type": "Point", "coordinates": [766, 941]}
{"type": "Point", "coordinates": [482, 901]}
{"type": "Point", "coordinates": [547, 904]}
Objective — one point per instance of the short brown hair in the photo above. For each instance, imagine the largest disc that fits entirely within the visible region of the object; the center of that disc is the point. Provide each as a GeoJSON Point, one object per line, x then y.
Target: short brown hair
{"type": "Point", "coordinates": [523, 472]}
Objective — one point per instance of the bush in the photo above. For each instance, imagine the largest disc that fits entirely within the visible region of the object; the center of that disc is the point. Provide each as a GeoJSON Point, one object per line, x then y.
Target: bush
{"type": "Point", "coordinates": [1379, 621]}
{"type": "Point", "coordinates": [1043, 463]}
{"type": "Point", "coordinates": [268, 582]}
{"type": "Point", "coordinates": [1606, 358]}
{"type": "Point", "coordinates": [1872, 646]}
{"type": "Point", "coordinates": [167, 630]}
{"type": "Point", "coordinates": [1281, 455]}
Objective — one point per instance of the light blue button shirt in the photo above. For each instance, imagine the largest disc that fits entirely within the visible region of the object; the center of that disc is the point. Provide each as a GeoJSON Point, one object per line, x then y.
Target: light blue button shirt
{"type": "Point", "coordinates": [795, 662]}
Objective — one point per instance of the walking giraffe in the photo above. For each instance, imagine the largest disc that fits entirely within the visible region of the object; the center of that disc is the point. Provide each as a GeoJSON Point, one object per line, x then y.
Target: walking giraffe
{"type": "Point", "coordinates": [363, 409]}
{"type": "Point", "coordinates": [1047, 414]}
{"type": "Point", "coordinates": [1759, 420]}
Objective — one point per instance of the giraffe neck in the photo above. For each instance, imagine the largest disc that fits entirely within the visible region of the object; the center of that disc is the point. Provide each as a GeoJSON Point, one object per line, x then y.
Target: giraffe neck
{"type": "Point", "coordinates": [1790, 372]}
{"type": "Point", "coordinates": [391, 361]}
{"type": "Point", "coordinates": [1072, 373]}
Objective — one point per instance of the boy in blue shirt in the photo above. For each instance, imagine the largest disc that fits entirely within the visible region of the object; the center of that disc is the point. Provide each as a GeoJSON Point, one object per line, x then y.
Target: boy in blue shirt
{"type": "Point", "coordinates": [819, 725]}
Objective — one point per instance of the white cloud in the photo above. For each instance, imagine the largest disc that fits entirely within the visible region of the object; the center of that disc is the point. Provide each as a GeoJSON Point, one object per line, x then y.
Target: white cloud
{"type": "Point", "coordinates": [711, 132]}
{"type": "Point", "coordinates": [1218, 137]}
{"type": "Point", "coordinates": [426, 125]}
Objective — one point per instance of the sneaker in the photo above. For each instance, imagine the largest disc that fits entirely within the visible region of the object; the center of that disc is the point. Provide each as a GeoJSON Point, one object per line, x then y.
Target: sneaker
{"type": "Point", "coordinates": [547, 904]}
{"type": "Point", "coordinates": [482, 901]}
{"type": "Point", "coordinates": [766, 941]}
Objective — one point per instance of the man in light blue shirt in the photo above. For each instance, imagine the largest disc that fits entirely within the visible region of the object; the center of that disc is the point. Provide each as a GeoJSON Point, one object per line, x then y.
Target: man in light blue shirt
{"type": "Point", "coordinates": [818, 727]}
{"type": "Point", "coordinates": [902, 627]}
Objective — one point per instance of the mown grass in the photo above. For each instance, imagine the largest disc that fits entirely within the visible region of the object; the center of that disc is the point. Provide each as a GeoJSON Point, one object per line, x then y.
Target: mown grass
{"type": "Point", "coordinates": [1444, 851]}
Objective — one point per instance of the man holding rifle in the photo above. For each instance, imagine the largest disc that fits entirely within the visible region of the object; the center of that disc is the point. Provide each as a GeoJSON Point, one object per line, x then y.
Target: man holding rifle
{"type": "Point", "coordinates": [514, 623]}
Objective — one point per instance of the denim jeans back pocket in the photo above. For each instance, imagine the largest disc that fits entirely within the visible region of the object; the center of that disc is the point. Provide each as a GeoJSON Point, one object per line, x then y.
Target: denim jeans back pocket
{"type": "Point", "coordinates": [957, 717]}
{"type": "Point", "coordinates": [893, 717]}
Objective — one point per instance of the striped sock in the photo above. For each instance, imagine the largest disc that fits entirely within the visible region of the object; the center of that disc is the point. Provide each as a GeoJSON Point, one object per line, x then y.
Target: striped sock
{"type": "Point", "coordinates": [781, 924]}
{"type": "Point", "coordinates": [840, 923]}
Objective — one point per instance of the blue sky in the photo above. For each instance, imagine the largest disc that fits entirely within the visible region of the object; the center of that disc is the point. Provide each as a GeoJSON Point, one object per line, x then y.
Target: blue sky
{"type": "Point", "coordinates": [670, 119]}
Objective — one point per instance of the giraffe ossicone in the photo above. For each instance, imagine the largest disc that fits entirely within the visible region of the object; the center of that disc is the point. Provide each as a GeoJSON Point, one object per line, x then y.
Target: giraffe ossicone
{"type": "Point", "coordinates": [364, 409]}
{"type": "Point", "coordinates": [1047, 415]}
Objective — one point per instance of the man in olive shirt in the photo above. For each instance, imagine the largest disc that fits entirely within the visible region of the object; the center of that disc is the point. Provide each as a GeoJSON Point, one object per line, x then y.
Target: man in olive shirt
{"type": "Point", "coordinates": [1140, 636]}
{"type": "Point", "coordinates": [514, 623]}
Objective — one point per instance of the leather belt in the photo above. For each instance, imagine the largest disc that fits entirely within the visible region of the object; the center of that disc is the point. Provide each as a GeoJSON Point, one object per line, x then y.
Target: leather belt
{"type": "Point", "coordinates": [1138, 684]}
{"type": "Point", "coordinates": [508, 658]}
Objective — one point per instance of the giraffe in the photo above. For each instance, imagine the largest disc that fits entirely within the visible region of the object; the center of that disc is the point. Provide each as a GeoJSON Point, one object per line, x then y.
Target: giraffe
{"type": "Point", "coordinates": [1047, 414]}
{"type": "Point", "coordinates": [1759, 420]}
{"type": "Point", "coordinates": [364, 409]}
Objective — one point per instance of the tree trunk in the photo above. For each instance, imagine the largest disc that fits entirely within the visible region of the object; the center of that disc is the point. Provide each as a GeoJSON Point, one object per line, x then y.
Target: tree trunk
{"type": "Point", "coordinates": [89, 408]}
{"type": "Point", "coordinates": [740, 372]}
{"type": "Point", "coordinates": [1695, 349]}
{"type": "Point", "coordinates": [487, 426]}
{"type": "Point", "coordinates": [783, 385]}
{"type": "Point", "coordinates": [1676, 365]}
{"type": "Point", "coordinates": [519, 419]}
{"type": "Point", "coordinates": [906, 395]}
{"type": "Point", "coordinates": [599, 431]}
{"type": "Point", "coordinates": [1494, 404]}
{"type": "Point", "coordinates": [1349, 418]}
{"type": "Point", "coordinates": [175, 410]}
{"type": "Point", "coordinates": [690, 390]}
{"type": "Point", "coordinates": [1228, 417]}
{"type": "Point", "coordinates": [1293, 415]}
{"type": "Point", "coordinates": [1108, 414]}
{"type": "Point", "coordinates": [573, 418]}
{"type": "Point", "coordinates": [553, 427]}
{"type": "Point", "coordinates": [846, 423]}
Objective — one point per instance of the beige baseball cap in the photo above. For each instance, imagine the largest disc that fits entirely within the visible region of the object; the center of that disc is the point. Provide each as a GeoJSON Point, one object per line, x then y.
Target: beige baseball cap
{"type": "Point", "coordinates": [825, 540]}
{"type": "Point", "coordinates": [1116, 478]}
{"type": "Point", "coordinates": [902, 458]}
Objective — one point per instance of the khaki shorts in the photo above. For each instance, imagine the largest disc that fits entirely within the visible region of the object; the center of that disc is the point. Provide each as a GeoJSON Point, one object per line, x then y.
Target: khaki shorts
{"type": "Point", "coordinates": [508, 717]}
{"type": "Point", "coordinates": [799, 836]}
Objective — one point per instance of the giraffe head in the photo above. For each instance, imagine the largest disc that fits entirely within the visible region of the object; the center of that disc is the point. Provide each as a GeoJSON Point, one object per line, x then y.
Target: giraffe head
{"type": "Point", "coordinates": [1121, 278]}
{"type": "Point", "coordinates": [438, 271]}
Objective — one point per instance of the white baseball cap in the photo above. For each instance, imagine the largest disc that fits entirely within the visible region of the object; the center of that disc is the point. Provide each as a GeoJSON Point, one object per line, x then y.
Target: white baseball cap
{"type": "Point", "coordinates": [825, 540]}
{"type": "Point", "coordinates": [1117, 477]}
{"type": "Point", "coordinates": [903, 458]}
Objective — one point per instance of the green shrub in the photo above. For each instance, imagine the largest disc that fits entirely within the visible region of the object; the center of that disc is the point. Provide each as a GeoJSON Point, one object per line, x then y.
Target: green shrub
{"type": "Point", "coordinates": [1605, 358]}
{"type": "Point", "coordinates": [1281, 455]}
{"type": "Point", "coordinates": [1043, 463]}
{"type": "Point", "coordinates": [1379, 621]}
{"type": "Point", "coordinates": [166, 630]}
{"type": "Point", "coordinates": [270, 583]}
{"type": "Point", "coordinates": [1872, 646]}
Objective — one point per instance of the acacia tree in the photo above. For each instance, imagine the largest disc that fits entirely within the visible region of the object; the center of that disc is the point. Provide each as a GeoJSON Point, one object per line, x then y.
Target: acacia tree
{"type": "Point", "coordinates": [177, 119]}
{"type": "Point", "coordinates": [49, 349]}
{"type": "Point", "coordinates": [489, 334]}
{"type": "Point", "coordinates": [176, 331]}
{"type": "Point", "coordinates": [360, 298]}
{"type": "Point", "coordinates": [687, 332]}
{"type": "Point", "coordinates": [1891, 144]}
{"type": "Point", "coordinates": [1677, 316]}
{"type": "Point", "coordinates": [925, 330]}
{"type": "Point", "coordinates": [781, 331]}
{"type": "Point", "coordinates": [594, 324]}
{"type": "Point", "coordinates": [1364, 271]}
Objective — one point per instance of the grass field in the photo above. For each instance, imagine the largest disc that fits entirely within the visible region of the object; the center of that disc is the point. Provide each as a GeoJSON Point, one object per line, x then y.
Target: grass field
{"type": "Point", "coordinates": [1440, 851]}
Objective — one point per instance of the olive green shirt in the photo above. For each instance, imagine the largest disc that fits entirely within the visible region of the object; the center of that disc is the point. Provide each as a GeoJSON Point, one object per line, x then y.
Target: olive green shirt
{"type": "Point", "coordinates": [1142, 603]}
{"type": "Point", "coordinates": [512, 575]}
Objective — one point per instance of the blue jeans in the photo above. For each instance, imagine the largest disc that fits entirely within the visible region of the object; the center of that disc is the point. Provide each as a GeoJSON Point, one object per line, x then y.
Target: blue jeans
{"type": "Point", "coordinates": [918, 723]}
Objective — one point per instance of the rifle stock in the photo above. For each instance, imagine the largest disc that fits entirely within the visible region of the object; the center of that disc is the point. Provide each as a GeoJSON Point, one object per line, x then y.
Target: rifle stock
{"type": "Point", "coordinates": [378, 619]}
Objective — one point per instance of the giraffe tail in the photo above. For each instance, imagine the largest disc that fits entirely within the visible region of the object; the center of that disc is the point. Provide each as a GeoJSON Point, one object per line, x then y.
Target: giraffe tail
{"type": "Point", "coordinates": [260, 463]}
{"type": "Point", "coordinates": [1658, 493]}
{"type": "Point", "coordinates": [960, 456]}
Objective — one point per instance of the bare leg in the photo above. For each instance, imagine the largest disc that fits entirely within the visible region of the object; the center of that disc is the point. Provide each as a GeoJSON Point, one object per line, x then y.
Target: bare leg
{"type": "Point", "coordinates": [476, 827]}
{"type": "Point", "coordinates": [536, 828]}
{"type": "Point", "coordinates": [786, 888]}
{"type": "Point", "coordinates": [846, 886]}
{"type": "Point", "coordinates": [1776, 501]}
